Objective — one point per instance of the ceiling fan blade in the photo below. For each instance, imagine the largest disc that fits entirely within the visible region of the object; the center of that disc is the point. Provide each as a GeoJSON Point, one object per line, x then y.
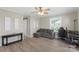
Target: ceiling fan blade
{"type": "Point", "coordinates": [36, 8]}
{"type": "Point", "coordinates": [46, 9]}
{"type": "Point", "coordinates": [45, 12]}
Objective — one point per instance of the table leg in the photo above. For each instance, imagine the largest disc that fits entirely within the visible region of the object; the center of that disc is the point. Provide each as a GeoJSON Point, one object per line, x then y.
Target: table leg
{"type": "Point", "coordinates": [6, 41]}
{"type": "Point", "coordinates": [2, 41]}
{"type": "Point", "coordinates": [21, 37]}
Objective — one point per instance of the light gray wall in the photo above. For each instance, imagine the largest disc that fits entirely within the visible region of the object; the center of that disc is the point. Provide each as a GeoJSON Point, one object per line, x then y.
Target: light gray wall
{"type": "Point", "coordinates": [68, 20]}
{"type": "Point", "coordinates": [12, 16]}
{"type": "Point", "coordinates": [44, 22]}
{"type": "Point", "coordinates": [34, 25]}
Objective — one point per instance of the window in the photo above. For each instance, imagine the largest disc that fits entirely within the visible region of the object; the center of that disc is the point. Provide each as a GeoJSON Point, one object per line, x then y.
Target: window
{"type": "Point", "coordinates": [7, 23]}
{"type": "Point", "coordinates": [55, 23]}
{"type": "Point", "coordinates": [16, 23]}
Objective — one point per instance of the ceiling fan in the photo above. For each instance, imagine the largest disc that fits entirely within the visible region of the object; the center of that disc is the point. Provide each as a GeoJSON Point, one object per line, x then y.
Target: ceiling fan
{"type": "Point", "coordinates": [41, 10]}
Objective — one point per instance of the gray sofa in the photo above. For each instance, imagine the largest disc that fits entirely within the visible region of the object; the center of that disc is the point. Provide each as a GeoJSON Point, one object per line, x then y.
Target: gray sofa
{"type": "Point", "coordinates": [47, 33]}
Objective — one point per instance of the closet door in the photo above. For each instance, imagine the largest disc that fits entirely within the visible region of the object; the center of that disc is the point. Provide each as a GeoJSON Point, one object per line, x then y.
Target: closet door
{"type": "Point", "coordinates": [25, 28]}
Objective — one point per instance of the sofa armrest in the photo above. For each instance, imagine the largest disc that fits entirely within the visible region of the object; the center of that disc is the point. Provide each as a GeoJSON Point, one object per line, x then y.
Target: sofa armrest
{"type": "Point", "coordinates": [53, 35]}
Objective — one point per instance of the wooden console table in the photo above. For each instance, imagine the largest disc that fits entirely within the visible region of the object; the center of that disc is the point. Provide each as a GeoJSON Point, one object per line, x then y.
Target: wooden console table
{"type": "Point", "coordinates": [5, 38]}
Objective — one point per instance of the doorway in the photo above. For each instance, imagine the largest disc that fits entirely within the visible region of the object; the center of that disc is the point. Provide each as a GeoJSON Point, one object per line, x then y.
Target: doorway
{"type": "Point", "coordinates": [26, 28]}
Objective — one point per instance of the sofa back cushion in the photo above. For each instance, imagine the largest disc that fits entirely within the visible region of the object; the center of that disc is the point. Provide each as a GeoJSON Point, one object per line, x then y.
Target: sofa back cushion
{"type": "Point", "coordinates": [43, 31]}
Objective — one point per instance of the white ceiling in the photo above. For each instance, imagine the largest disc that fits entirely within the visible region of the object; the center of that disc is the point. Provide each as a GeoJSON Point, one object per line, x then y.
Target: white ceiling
{"type": "Point", "coordinates": [27, 11]}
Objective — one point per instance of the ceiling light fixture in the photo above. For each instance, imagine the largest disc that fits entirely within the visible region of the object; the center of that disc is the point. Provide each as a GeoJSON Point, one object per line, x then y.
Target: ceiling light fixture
{"type": "Point", "coordinates": [41, 10]}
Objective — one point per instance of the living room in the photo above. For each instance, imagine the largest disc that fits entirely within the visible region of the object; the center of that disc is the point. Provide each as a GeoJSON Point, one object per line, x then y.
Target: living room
{"type": "Point", "coordinates": [26, 21]}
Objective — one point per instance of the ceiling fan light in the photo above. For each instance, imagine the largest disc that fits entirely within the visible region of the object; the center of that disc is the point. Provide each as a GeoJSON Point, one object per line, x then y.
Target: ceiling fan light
{"type": "Point", "coordinates": [41, 13]}
{"type": "Point", "coordinates": [41, 10]}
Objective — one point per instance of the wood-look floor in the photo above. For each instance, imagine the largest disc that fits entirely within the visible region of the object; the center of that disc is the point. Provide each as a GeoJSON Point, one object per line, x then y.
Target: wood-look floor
{"type": "Point", "coordinates": [38, 45]}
